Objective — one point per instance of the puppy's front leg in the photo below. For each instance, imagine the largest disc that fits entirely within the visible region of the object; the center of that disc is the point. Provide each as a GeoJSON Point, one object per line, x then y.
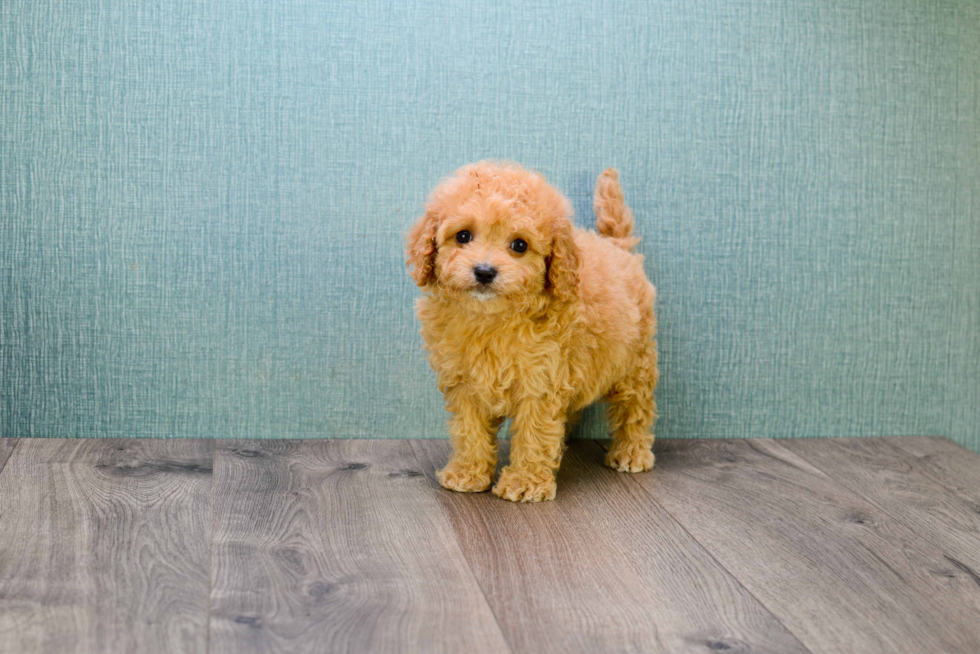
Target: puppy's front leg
{"type": "Point", "coordinates": [473, 434]}
{"type": "Point", "coordinates": [535, 452]}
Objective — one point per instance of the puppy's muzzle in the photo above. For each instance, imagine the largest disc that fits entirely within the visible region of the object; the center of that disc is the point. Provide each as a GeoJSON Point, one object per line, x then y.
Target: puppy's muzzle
{"type": "Point", "coordinates": [484, 273]}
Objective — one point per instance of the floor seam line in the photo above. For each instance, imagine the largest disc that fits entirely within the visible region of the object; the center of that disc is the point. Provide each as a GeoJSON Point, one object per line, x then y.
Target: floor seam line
{"type": "Point", "coordinates": [715, 559]}
{"type": "Point", "coordinates": [10, 454]}
{"type": "Point", "coordinates": [459, 547]}
{"type": "Point", "coordinates": [214, 461]}
{"type": "Point", "coordinates": [913, 458]}
{"type": "Point", "coordinates": [870, 500]}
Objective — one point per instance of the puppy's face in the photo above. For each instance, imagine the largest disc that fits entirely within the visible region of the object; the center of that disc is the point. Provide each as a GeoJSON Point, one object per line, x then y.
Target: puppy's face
{"type": "Point", "coordinates": [493, 236]}
{"type": "Point", "coordinates": [489, 250]}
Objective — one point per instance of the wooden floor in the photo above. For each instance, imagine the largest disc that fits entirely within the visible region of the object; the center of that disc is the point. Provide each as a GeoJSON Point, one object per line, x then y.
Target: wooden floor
{"type": "Point", "coordinates": [841, 545]}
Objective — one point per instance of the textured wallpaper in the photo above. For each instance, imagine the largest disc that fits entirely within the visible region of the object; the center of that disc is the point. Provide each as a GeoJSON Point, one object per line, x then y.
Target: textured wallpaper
{"type": "Point", "coordinates": [203, 204]}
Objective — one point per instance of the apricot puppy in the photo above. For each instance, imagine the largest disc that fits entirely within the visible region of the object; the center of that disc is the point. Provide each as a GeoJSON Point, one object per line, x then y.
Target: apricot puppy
{"type": "Point", "coordinates": [528, 317]}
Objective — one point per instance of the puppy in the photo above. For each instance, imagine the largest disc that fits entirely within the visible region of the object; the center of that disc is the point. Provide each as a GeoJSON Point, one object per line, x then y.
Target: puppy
{"type": "Point", "coordinates": [526, 316]}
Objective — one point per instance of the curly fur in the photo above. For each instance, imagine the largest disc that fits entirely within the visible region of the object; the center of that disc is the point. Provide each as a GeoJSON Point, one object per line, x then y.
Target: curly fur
{"type": "Point", "coordinates": [568, 322]}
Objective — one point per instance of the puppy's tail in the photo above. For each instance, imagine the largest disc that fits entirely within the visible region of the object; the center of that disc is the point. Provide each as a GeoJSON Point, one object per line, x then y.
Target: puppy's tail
{"type": "Point", "coordinates": [613, 218]}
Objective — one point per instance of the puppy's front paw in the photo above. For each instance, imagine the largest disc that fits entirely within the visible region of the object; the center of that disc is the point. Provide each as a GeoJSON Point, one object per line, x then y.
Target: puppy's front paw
{"type": "Point", "coordinates": [629, 457]}
{"type": "Point", "coordinates": [525, 485]}
{"type": "Point", "coordinates": [465, 478]}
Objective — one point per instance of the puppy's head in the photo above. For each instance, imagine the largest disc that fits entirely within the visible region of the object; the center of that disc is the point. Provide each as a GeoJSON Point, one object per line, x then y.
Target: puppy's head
{"type": "Point", "coordinates": [492, 234]}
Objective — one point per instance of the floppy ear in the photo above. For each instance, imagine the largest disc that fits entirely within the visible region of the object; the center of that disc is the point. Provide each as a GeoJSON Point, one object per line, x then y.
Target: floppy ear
{"type": "Point", "coordinates": [420, 249]}
{"type": "Point", "coordinates": [563, 263]}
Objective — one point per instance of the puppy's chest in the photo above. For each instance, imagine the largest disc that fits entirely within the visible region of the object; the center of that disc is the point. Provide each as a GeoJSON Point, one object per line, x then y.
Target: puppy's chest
{"type": "Point", "coordinates": [499, 367]}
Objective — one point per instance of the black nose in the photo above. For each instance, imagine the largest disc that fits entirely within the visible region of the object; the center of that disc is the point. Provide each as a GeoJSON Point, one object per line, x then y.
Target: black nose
{"type": "Point", "coordinates": [484, 273]}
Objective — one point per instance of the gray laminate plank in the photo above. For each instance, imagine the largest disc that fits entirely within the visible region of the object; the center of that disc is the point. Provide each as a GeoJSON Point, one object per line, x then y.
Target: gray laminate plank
{"type": "Point", "coordinates": [6, 448]}
{"type": "Point", "coordinates": [104, 546]}
{"type": "Point", "coordinates": [600, 569]}
{"type": "Point", "coordinates": [948, 463]}
{"type": "Point", "coordinates": [841, 574]}
{"type": "Point", "coordinates": [337, 546]}
{"type": "Point", "coordinates": [890, 478]}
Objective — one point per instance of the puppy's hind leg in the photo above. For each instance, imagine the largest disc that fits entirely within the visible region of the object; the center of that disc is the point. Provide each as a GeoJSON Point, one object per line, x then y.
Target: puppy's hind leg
{"type": "Point", "coordinates": [474, 437]}
{"type": "Point", "coordinates": [632, 412]}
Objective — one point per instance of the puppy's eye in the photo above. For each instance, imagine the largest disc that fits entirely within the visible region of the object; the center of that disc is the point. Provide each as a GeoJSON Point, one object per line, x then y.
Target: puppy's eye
{"type": "Point", "coordinates": [519, 245]}
{"type": "Point", "coordinates": [463, 237]}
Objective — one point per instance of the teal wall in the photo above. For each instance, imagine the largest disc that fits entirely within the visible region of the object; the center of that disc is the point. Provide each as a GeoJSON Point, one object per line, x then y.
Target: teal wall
{"type": "Point", "coordinates": [203, 201]}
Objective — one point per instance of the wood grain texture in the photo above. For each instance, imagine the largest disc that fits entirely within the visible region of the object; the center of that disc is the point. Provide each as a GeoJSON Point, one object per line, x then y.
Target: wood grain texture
{"type": "Point", "coordinates": [337, 546]}
{"type": "Point", "coordinates": [841, 574]}
{"type": "Point", "coordinates": [889, 478]}
{"type": "Point", "coordinates": [949, 464]}
{"type": "Point", "coordinates": [6, 448]}
{"type": "Point", "coordinates": [104, 546]}
{"type": "Point", "coordinates": [600, 569]}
